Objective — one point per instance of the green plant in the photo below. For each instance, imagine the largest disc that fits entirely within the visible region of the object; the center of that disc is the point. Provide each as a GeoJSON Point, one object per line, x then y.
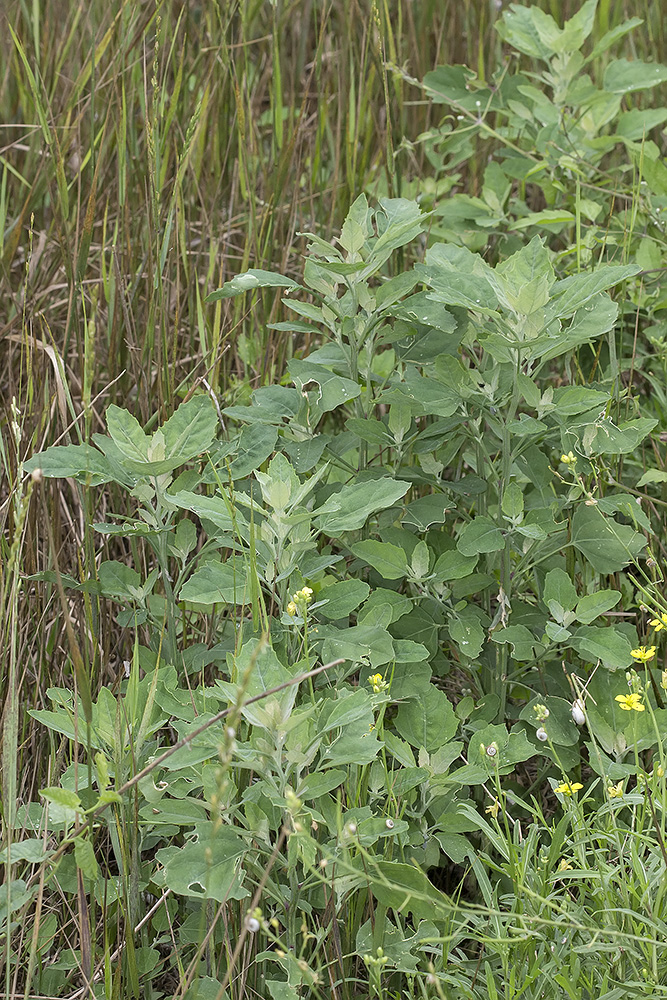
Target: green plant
{"type": "Point", "coordinates": [426, 483]}
{"type": "Point", "coordinates": [491, 570]}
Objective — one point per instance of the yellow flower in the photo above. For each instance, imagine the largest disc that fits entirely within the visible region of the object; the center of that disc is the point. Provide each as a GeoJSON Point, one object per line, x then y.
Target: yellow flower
{"type": "Point", "coordinates": [291, 609]}
{"type": "Point", "coordinates": [643, 654]}
{"type": "Point", "coordinates": [305, 594]}
{"type": "Point", "coordinates": [568, 459]}
{"type": "Point", "coordinates": [615, 791]}
{"type": "Point", "coordinates": [569, 787]}
{"type": "Point", "coordinates": [659, 623]}
{"type": "Point", "coordinates": [494, 808]}
{"type": "Point", "coordinates": [564, 865]}
{"type": "Point", "coordinates": [630, 702]}
{"type": "Point", "coordinates": [378, 683]}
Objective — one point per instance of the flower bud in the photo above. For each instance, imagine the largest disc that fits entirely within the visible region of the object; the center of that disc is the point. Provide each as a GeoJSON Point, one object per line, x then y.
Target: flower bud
{"type": "Point", "coordinates": [577, 712]}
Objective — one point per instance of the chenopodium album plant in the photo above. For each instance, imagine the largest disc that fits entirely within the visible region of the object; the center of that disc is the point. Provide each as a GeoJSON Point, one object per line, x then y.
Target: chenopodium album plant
{"type": "Point", "coordinates": [424, 505]}
{"type": "Point", "coordinates": [571, 153]}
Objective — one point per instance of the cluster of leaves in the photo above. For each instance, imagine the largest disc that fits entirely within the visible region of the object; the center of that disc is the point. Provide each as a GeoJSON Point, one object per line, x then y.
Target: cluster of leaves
{"type": "Point", "coordinates": [431, 506]}
{"type": "Point", "coordinates": [572, 153]}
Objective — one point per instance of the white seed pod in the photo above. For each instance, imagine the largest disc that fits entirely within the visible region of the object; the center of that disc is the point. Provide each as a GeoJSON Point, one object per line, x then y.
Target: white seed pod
{"type": "Point", "coordinates": [578, 713]}
{"type": "Point", "coordinates": [542, 734]}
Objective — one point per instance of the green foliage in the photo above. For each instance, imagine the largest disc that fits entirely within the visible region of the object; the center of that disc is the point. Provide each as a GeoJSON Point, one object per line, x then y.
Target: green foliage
{"type": "Point", "coordinates": [391, 721]}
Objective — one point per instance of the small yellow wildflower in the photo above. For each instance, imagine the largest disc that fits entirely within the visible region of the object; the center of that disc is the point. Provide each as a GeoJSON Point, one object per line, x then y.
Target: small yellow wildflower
{"type": "Point", "coordinates": [630, 702]}
{"type": "Point", "coordinates": [615, 791]}
{"type": "Point", "coordinates": [569, 787]}
{"type": "Point", "coordinates": [378, 683]}
{"type": "Point", "coordinates": [659, 623]}
{"type": "Point", "coordinates": [564, 865]}
{"type": "Point", "coordinates": [494, 808]}
{"type": "Point", "coordinates": [291, 609]}
{"type": "Point", "coordinates": [568, 459]}
{"type": "Point", "coordinates": [659, 771]}
{"type": "Point", "coordinates": [643, 654]}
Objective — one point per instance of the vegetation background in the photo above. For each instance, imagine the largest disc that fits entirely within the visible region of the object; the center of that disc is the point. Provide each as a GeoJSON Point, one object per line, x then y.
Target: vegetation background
{"type": "Point", "coordinates": [149, 152]}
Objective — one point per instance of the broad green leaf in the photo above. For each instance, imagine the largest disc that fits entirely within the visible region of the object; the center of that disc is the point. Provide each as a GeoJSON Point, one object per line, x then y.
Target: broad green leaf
{"type": "Point", "coordinates": [453, 565]}
{"type": "Point", "coordinates": [64, 797]}
{"type": "Point", "coordinates": [572, 293]}
{"type": "Point", "coordinates": [522, 281]}
{"type": "Point", "coordinates": [190, 430]}
{"type": "Point", "coordinates": [613, 35]}
{"type": "Point", "coordinates": [256, 443]}
{"type": "Point", "coordinates": [512, 504]}
{"type": "Point", "coordinates": [80, 461]}
{"type": "Point", "coordinates": [128, 435]}
{"type": "Point", "coordinates": [609, 645]}
{"type": "Point", "coordinates": [638, 123]}
{"type": "Point", "coordinates": [316, 784]}
{"type": "Point", "coordinates": [593, 605]}
{"type": "Point", "coordinates": [559, 724]}
{"type": "Point", "coordinates": [367, 643]}
{"type": "Point", "coordinates": [605, 438]}
{"type": "Point", "coordinates": [588, 322]}
{"type": "Point", "coordinates": [623, 76]}
{"type": "Point", "coordinates": [426, 720]}
{"type": "Point", "coordinates": [465, 629]}
{"type": "Point", "coordinates": [449, 85]}
{"type": "Point", "coordinates": [517, 27]}
{"type": "Point", "coordinates": [213, 509]}
{"type": "Point", "coordinates": [395, 604]}
{"type": "Point", "coordinates": [398, 222]}
{"type": "Point", "coordinates": [607, 545]}
{"type": "Point", "coordinates": [279, 484]}
{"type": "Point", "coordinates": [549, 217]}
{"type": "Point", "coordinates": [524, 644]}
{"type": "Point", "coordinates": [480, 535]}
{"type": "Point", "coordinates": [206, 868]}
{"type": "Point", "coordinates": [578, 28]}
{"type": "Point", "coordinates": [342, 598]}
{"type": "Point", "coordinates": [350, 508]}
{"type": "Point", "coordinates": [405, 889]}
{"type": "Point", "coordinates": [31, 850]}
{"type": "Point", "coordinates": [426, 511]}
{"type": "Point", "coordinates": [652, 476]}
{"type": "Point", "coordinates": [250, 280]}
{"type": "Point", "coordinates": [258, 662]}
{"type": "Point", "coordinates": [370, 430]}
{"type": "Point", "coordinates": [407, 651]}
{"type": "Point", "coordinates": [118, 580]}
{"type": "Point", "coordinates": [175, 812]}
{"type": "Point", "coordinates": [346, 708]}
{"type": "Point", "coordinates": [357, 227]}
{"type": "Point", "coordinates": [353, 746]}
{"type": "Point", "coordinates": [423, 395]}
{"type": "Point", "coordinates": [389, 560]}
{"type": "Point", "coordinates": [570, 400]}
{"type": "Point", "coordinates": [84, 855]}
{"type": "Point", "coordinates": [559, 589]}
{"type": "Point", "coordinates": [323, 389]}
{"type": "Point", "coordinates": [511, 748]}
{"type": "Point", "coordinates": [217, 583]}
